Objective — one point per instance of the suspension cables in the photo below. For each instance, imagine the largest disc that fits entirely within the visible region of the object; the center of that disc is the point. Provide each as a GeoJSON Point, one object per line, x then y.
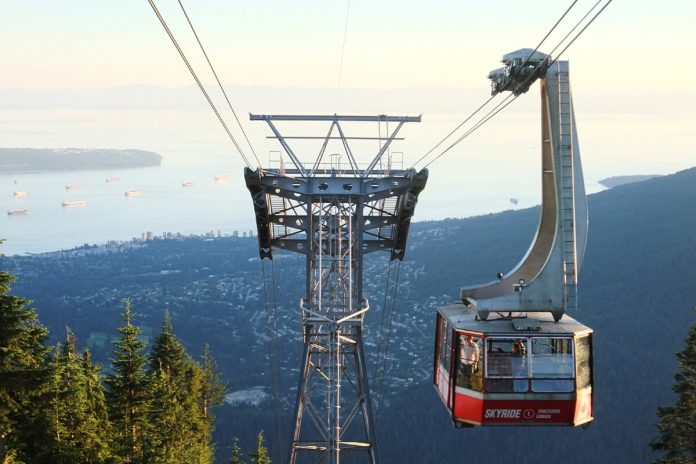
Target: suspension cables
{"type": "Point", "coordinates": [490, 98]}
{"type": "Point", "coordinates": [508, 99]}
{"type": "Point", "coordinates": [487, 101]}
{"type": "Point", "coordinates": [553, 28]}
{"type": "Point", "coordinates": [385, 335]}
{"type": "Point", "coordinates": [454, 130]}
{"type": "Point", "coordinates": [497, 109]}
{"type": "Point", "coordinates": [343, 53]}
{"type": "Point", "coordinates": [200, 85]}
{"type": "Point", "coordinates": [581, 30]}
{"type": "Point", "coordinates": [212, 69]}
{"type": "Point", "coordinates": [273, 344]}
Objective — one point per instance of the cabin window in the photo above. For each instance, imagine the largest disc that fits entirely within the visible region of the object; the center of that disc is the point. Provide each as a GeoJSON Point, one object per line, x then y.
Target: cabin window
{"type": "Point", "coordinates": [583, 354]}
{"type": "Point", "coordinates": [507, 366]}
{"type": "Point", "coordinates": [444, 343]}
{"type": "Point", "coordinates": [470, 370]}
{"type": "Point", "coordinates": [537, 364]}
{"type": "Point", "coordinates": [552, 365]}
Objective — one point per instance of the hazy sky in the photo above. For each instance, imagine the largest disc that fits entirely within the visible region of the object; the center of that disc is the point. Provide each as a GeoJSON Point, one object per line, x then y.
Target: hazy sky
{"type": "Point", "coordinates": [632, 71]}
{"type": "Point", "coordinates": [635, 46]}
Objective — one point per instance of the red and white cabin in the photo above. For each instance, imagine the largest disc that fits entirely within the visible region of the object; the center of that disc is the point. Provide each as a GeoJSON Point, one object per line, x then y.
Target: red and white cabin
{"type": "Point", "coordinates": [513, 371]}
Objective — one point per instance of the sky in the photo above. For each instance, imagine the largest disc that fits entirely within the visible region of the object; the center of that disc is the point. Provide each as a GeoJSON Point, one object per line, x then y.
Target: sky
{"type": "Point", "coordinates": [633, 47]}
{"type": "Point", "coordinates": [632, 71]}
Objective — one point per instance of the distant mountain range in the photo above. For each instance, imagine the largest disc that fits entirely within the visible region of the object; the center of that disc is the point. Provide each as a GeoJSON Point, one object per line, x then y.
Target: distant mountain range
{"type": "Point", "coordinates": [636, 290]}
{"type": "Point", "coordinates": [25, 160]}
{"type": "Point", "coordinates": [259, 99]}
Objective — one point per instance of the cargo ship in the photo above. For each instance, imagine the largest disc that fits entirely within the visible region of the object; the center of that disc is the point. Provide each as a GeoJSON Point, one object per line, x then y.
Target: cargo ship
{"type": "Point", "coordinates": [188, 184]}
{"type": "Point", "coordinates": [20, 193]}
{"type": "Point", "coordinates": [73, 187]}
{"type": "Point", "coordinates": [221, 179]}
{"type": "Point", "coordinates": [113, 179]}
{"type": "Point", "coordinates": [17, 212]}
{"type": "Point", "coordinates": [74, 202]}
{"type": "Point", "coordinates": [133, 193]}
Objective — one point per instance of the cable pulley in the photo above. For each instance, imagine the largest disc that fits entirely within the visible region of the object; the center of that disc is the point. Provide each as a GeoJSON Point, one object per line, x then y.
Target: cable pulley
{"type": "Point", "coordinates": [520, 70]}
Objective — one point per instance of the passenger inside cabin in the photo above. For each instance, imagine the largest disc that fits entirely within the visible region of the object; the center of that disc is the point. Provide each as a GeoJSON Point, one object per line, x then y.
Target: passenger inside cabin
{"type": "Point", "coordinates": [519, 367]}
{"type": "Point", "coordinates": [507, 365]}
{"type": "Point", "coordinates": [518, 348]}
{"type": "Point", "coordinates": [470, 363]}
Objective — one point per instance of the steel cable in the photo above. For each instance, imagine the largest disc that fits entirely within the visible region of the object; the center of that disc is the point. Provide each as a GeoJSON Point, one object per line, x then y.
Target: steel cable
{"type": "Point", "coordinates": [273, 347]}
{"type": "Point", "coordinates": [499, 108]}
{"type": "Point", "coordinates": [581, 30]}
{"type": "Point", "coordinates": [455, 129]}
{"type": "Point", "coordinates": [212, 69]}
{"type": "Point", "coordinates": [380, 356]}
{"type": "Point", "coordinates": [382, 375]}
{"type": "Point", "coordinates": [493, 96]}
{"type": "Point", "coordinates": [195, 77]}
{"type": "Point", "coordinates": [343, 53]}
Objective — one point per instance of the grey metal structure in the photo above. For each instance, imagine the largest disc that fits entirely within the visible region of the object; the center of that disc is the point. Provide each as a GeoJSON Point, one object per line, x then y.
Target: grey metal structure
{"type": "Point", "coordinates": [462, 318]}
{"type": "Point", "coordinates": [334, 214]}
{"type": "Point", "coordinates": [522, 68]}
{"type": "Point", "coordinates": [546, 278]}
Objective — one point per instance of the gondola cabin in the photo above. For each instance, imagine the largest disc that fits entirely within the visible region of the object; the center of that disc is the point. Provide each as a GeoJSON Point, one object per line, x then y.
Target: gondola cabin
{"type": "Point", "coordinates": [513, 370]}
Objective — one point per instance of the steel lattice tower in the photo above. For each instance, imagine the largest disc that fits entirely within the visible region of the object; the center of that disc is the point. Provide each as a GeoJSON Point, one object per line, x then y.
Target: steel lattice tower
{"type": "Point", "coordinates": [334, 213]}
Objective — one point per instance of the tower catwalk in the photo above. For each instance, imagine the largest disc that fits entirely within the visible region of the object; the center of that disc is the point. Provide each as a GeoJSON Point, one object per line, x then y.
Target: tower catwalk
{"type": "Point", "coordinates": [334, 212]}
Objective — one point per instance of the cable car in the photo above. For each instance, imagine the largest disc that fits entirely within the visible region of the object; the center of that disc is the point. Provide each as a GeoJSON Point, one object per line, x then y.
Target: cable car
{"type": "Point", "coordinates": [508, 354]}
{"type": "Point", "coordinates": [512, 369]}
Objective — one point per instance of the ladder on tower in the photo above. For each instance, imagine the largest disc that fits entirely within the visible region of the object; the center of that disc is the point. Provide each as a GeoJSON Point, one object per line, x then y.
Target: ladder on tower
{"type": "Point", "coordinates": [546, 279]}
{"type": "Point", "coordinates": [334, 217]}
{"type": "Point", "coordinates": [278, 205]}
{"type": "Point", "coordinates": [567, 200]}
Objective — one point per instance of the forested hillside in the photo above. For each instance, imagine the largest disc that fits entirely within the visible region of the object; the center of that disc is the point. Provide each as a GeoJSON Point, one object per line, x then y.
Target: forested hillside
{"type": "Point", "coordinates": [636, 290]}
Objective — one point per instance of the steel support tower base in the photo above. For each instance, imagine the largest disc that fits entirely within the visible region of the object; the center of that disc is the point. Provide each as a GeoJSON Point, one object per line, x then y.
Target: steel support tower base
{"type": "Point", "coordinates": [334, 213]}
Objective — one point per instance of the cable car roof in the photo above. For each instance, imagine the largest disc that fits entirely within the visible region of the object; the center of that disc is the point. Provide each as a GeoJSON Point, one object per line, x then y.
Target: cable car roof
{"type": "Point", "coordinates": [531, 56]}
{"type": "Point", "coordinates": [462, 318]}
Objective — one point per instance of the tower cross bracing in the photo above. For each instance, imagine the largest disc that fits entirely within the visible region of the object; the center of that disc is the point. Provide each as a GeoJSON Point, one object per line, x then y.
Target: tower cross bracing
{"type": "Point", "coordinates": [334, 212]}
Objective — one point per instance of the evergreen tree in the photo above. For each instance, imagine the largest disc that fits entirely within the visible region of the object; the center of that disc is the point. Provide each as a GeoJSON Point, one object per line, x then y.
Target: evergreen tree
{"type": "Point", "coordinates": [96, 395]}
{"type": "Point", "coordinates": [181, 433]}
{"type": "Point", "coordinates": [236, 452]}
{"type": "Point", "coordinates": [167, 439]}
{"type": "Point", "coordinates": [168, 353]}
{"type": "Point", "coordinates": [96, 400]}
{"type": "Point", "coordinates": [71, 424]}
{"type": "Point", "coordinates": [261, 456]}
{"type": "Point", "coordinates": [128, 392]}
{"type": "Point", "coordinates": [678, 423]}
{"type": "Point", "coordinates": [212, 393]}
{"type": "Point", "coordinates": [22, 367]}
{"type": "Point", "coordinates": [213, 389]}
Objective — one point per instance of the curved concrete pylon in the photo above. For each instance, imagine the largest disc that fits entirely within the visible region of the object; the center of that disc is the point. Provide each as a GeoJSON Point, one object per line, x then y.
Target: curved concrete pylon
{"type": "Point", "coordinates": [545, 280]}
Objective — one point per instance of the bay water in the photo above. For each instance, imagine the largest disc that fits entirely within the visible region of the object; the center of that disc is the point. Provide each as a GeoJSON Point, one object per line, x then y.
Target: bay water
{"type": "Point", "coordinates": [496, 169]}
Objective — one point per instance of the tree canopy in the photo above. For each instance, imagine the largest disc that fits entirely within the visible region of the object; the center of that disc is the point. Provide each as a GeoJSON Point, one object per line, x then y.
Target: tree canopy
{"type": "Point", "coordinates": [677, 426]}
{"type": "Point", "coordinates": [22, 365]}
{"type": "Point", "coordinates": [57, 408]}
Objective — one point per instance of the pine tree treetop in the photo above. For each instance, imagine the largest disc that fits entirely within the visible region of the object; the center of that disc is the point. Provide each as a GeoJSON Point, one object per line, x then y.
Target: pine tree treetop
{"type": "Point", "coordinates": [678, 423]}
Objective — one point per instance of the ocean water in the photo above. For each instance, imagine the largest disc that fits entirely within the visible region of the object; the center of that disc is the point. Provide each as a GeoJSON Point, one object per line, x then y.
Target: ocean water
{"type": "Point", "coordinates": [498, 163]}
{"type": "Point", "coordinates": [164, 206]}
